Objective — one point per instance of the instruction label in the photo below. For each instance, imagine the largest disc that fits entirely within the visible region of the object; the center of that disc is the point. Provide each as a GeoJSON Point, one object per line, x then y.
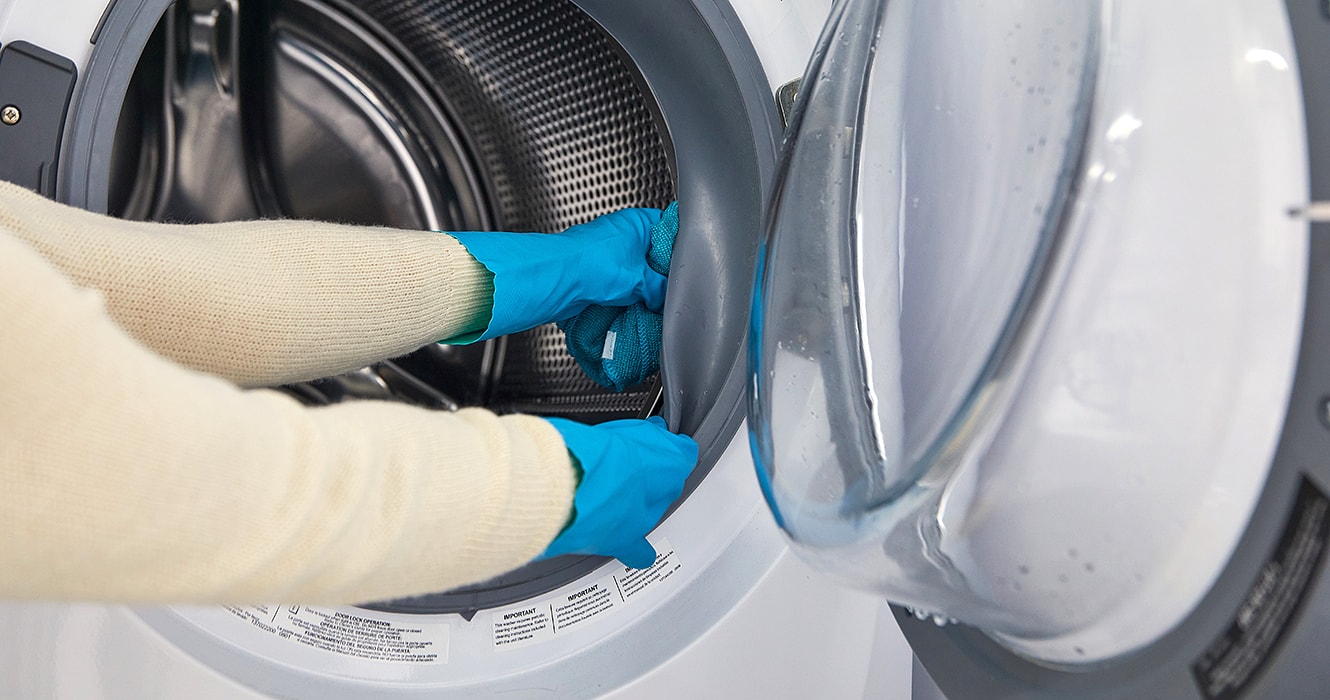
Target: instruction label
{"type": "Point", "coordinates": [549, 617]}
{"type": "Point", "coordinates": [521, 625]}
{"type": "Point", "coordinates": [348, 633]}
{"type": "Point", "coordinates": [1233, 660]}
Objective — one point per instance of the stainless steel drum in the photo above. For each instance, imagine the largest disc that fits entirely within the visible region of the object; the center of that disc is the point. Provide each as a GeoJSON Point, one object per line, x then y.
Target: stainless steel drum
{"type": "Point", "coordinates": [451, 114]}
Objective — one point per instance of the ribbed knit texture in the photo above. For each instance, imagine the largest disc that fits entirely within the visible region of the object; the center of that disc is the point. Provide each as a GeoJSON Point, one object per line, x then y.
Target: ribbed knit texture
{"type": "Point", "coordinates": [133, 468]}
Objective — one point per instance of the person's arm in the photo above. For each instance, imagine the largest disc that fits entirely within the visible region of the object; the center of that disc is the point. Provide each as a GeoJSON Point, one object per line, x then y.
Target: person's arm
{"type": "Point", "coordinates": [265, 302]}
{"type": "Point", "coordinates": [126, 477]}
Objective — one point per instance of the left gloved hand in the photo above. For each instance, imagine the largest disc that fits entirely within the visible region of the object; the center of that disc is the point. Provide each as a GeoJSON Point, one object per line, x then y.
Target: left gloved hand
{"type": "Point", "coordinates": [632, 470]}
{"type": "Point", "coordinates": [540, 278]}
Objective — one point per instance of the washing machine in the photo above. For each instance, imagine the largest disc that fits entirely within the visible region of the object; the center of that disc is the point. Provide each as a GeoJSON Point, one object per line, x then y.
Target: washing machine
{"type": "Point", "coordinates": [1039, 341]}
{"type": "Point", "coordinates": [527, 115]}
{"type": "Point", "coordinates": [1034, 350]}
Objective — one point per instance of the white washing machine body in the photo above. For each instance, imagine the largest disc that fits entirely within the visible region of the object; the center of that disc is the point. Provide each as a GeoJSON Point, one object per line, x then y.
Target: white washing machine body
{"type": "Point", "coordinates": [727, 610]}
{"type": "Point", "coordinates": [733, 614]}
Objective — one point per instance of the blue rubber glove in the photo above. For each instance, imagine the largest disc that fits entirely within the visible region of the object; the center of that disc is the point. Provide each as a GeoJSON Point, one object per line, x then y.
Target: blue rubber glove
{"type": "Point", "coordinates": [619, 347]}
{"type": "Point", "coordinates": [632, 470]}
{"type": "Point", "coordinates": [541, 278]}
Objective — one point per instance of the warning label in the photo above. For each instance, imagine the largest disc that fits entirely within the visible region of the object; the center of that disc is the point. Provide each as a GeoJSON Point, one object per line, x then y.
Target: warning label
{"type": "Point", "coordinates": [351, 634]}
{"type": "Point", "coordinates": [523, 625]}
{"type": "Point", "coordinates": [635, 581]}
{"type": "Point", "coordinates": [549, 617]}
{"type": "Point", "coordinates": [583, 605]}
{"type": "Point", "coordinates": [1234, 660]}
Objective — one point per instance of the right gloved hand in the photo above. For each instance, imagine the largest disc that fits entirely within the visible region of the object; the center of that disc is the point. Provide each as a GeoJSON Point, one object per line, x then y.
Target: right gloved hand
{"type": "Point", "coordinates": [546, 277]}
{"type": "Point", "coordinates": [632, 470]}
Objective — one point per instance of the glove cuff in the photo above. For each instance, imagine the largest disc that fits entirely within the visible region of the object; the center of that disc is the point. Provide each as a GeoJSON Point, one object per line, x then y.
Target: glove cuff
{"type": "Point", "coordinates": [576, 438]}
{"type": "Point", "coordinates": [519, 262]}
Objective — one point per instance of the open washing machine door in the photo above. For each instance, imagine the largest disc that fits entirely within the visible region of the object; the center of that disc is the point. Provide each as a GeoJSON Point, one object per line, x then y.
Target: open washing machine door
{"type": "Point", "coordinates": [518, 115]}
{"type": "Point", "coordinates": [1039, 340]}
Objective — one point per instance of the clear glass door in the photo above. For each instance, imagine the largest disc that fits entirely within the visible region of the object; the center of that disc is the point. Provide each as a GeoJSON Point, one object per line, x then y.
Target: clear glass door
{"type": "Point", "coordinates": [1028, 308]}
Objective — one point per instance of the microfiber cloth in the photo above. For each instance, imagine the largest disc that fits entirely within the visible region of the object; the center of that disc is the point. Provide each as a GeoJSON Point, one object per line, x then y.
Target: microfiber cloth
{"type": "Point", "coordinates": [619, 346]}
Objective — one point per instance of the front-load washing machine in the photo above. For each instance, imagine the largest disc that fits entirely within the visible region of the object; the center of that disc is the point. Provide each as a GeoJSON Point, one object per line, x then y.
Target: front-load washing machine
{"type": "Point", "coordinates": [456, 114]}
{"type": "Point", "coordinates": [1036, 344]}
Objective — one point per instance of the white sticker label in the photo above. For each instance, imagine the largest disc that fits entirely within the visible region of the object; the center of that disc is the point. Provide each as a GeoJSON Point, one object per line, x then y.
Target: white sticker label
{"type": "Point", "coordinates": [635, 581]}
{"type": "Point", "coordinates": [584, 605]}
{"type": "Point", "coordinates": [350, 634]}
{"type": "Point", "coordinates": [521, 625]}
{"type": "Point", "coordinates": [607, 350]}
{"type": "Point", "coordinates": [549, 617]}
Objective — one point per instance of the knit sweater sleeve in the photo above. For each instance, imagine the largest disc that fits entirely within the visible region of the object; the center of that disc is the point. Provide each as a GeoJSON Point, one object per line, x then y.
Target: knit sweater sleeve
{"type": "Point", "coordinates": [127, 476]}
{"type": "Point", "coordinates": [263, 302]}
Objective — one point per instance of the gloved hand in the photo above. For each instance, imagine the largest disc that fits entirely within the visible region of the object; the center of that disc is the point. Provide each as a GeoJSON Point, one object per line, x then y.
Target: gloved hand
{"type": "Point", "coordinates": [632, 470]}
{"type": "Point", "coordinates": [540, 278]}
{"type": "Point", "coordinates": [619, 347]}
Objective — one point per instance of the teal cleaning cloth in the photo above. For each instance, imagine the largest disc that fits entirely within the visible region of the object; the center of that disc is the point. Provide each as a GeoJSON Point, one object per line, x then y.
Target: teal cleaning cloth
{"type": "Point", "coordinates": [662, 234]}
{"type": "Point", "coordinates": [619, 346]}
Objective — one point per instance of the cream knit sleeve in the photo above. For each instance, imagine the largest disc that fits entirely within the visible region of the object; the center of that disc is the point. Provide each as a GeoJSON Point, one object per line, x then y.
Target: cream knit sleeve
{"type": "Point", "coordinates": [125, 476]}
{"type": "Point", "coordinates": [264, 302]}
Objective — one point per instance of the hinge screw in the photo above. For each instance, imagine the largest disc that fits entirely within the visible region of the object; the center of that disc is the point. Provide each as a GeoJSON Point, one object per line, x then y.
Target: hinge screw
{"type": "Point", "coordinates": [10, 115]}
